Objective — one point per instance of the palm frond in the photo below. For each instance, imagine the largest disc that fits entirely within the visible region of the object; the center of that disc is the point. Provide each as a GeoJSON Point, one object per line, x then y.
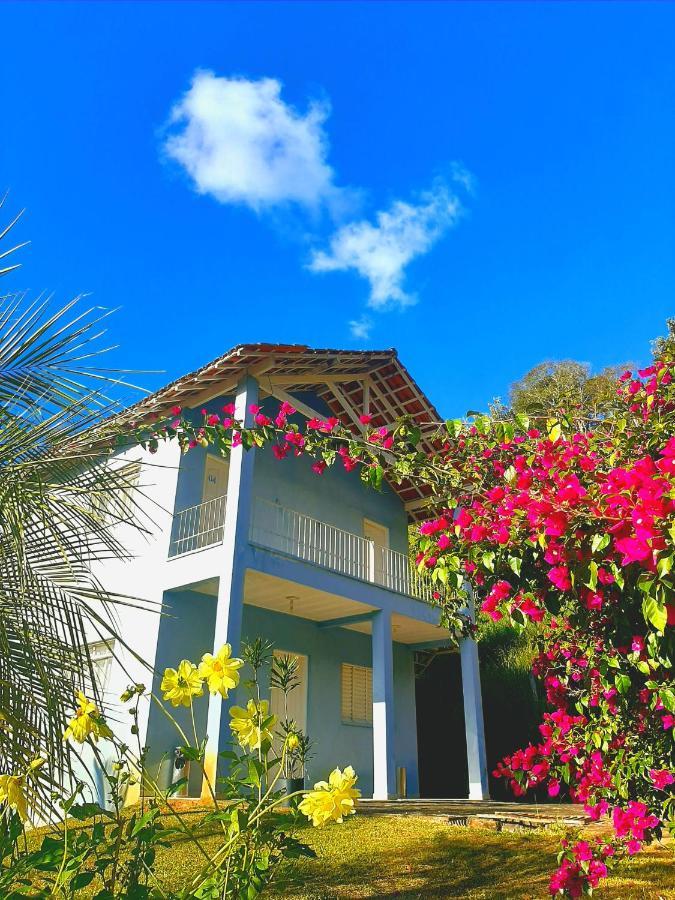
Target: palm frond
{"type": "Point", "coordinates": [61, 500]}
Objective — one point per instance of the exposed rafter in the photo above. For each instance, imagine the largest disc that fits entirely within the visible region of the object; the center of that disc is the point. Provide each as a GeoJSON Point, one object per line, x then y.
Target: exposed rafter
{"type": "Point", "coordinates": [349, 383]}
{"type": "Point", "coordinates": [301, 407]}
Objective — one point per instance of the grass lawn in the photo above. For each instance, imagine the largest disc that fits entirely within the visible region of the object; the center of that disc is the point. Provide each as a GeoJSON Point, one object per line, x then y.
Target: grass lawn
{"type": "Point", "coordinates": [411, 856]}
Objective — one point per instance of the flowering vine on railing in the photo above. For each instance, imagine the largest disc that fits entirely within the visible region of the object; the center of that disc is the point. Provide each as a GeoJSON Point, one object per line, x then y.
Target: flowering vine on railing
{"type": "Point", "coordinates": [566, 523]}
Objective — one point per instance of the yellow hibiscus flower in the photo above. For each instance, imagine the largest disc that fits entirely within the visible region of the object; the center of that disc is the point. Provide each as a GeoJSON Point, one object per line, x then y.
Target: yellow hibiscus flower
{"type": "Point", "coordinates": [87, 722]}
{"type": "Point", "coordinates": [180, 685]}
{"type": "Point", "coordinates": [12, 793]}
{"type": "Point", "coordinates": [221, 672]}
{"type": "Point", "coordinates": [332, 799]}
{"type": "Point", "coordinates": [247, 724]}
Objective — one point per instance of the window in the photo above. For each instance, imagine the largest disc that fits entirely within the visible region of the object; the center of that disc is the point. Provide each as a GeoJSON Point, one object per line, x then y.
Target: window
{"type": "Point", "coordinates": [114, 497]}
{"type": "Point", "coordinates": [130, 477]}
{"type": "Point", "coordinates": [101, 655]}
{"type": "Point", "coordinates": [357, 694]}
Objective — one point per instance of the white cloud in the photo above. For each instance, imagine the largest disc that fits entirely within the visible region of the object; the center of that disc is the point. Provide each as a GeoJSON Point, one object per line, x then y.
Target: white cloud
{"type": "Point", "coordinates": [241, 143]}
{"type": "Point", "coordinates": [381, 252]}
{"type": "Point", "coordinates": [361, 328]}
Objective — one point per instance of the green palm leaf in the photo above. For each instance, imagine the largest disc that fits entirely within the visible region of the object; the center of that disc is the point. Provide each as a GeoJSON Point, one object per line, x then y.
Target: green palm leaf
{"type": "Point", "coordinates": [60, 503]}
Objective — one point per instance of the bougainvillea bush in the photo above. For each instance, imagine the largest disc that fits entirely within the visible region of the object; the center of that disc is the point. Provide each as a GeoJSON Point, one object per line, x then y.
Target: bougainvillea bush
{"type": "Point", "coordinates": [567, 522]}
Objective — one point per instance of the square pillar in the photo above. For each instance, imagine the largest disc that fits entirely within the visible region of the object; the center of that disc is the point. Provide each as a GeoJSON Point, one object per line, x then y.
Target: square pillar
{"type": "Point", "coordinates": [479, 786]}
{"type": "Point", "coordinates": [384, 760]}
{"type": "Point", "coordinates": [230, 601]}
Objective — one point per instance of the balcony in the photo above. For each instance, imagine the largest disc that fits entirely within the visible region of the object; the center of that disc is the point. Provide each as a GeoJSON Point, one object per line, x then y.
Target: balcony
{"type": "Point", "coordinates": [197, 527]}
{"type": "Point", "coordinates": [287, 531]}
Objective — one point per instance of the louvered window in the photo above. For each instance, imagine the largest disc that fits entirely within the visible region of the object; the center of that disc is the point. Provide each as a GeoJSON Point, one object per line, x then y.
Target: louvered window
{"type": "Point", "coordinates": [357, 694]}
{"type": "Point", "coordinates": [101, 655]}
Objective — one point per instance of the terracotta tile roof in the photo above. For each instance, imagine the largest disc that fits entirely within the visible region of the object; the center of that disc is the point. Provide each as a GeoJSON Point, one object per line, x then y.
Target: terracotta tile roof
{"type": "Point", "coordinates": [348, 381]}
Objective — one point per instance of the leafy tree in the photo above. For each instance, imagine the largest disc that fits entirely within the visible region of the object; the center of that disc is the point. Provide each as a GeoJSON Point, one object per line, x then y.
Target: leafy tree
{"type": "Point", "coordinates": [665, 346]}
{"type": "Point", "coordinates": [554, 388]}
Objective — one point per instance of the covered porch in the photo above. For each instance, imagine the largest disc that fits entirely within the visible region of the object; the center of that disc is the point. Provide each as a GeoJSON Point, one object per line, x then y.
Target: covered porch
{"type": "Point", "coordinates": [358, 653]}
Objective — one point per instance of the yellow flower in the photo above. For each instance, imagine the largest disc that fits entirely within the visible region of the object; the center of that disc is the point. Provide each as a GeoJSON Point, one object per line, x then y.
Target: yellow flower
{"type": "Point", "coordinates": [292, 741]}
{"type": "Point", "coordinates": [333, 799]}
{"type": "Point", "coordinates": [12, 792]}
{"type": "Point", "coordinates": [220, 671]}
{"type": "Point", "coordinates": [180, 686]}
{"type": "Point", "coordinates": [86, 722]}
{"type": "Point", "coordinates": [247, 724]}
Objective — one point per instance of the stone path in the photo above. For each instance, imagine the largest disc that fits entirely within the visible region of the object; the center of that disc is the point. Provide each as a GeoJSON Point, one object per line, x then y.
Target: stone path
{"type": "Point", "coordinates": [481, 813]}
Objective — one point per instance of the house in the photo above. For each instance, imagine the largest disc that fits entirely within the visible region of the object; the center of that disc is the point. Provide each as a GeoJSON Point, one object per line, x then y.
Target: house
{"type": "Point", "coordinates": [254, 547]}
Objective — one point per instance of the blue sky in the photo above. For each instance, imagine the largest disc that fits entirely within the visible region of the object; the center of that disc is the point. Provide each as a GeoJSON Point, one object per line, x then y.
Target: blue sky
{"type": "Point", "coordinates": [482, 186]}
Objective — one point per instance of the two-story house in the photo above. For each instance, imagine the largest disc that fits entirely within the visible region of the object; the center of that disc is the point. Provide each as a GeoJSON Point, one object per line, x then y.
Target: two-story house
{"type": "Point", "coordinates": [256, 547]}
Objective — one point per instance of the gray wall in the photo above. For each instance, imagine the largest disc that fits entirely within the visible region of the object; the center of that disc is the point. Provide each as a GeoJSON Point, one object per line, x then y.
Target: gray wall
{"type": "Point", "coordinates": [336, 497]}
{"type": "Point", "coordinates": [187, 631]}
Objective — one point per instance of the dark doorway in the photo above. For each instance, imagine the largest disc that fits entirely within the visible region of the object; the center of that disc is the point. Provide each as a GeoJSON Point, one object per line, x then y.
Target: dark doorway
{"type": "Point", "coordinates": [441, 742]}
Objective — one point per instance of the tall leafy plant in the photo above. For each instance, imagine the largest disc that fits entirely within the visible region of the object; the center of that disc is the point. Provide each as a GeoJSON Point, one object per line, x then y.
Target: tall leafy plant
{"type": "Point", "coordinates": [53, 489]}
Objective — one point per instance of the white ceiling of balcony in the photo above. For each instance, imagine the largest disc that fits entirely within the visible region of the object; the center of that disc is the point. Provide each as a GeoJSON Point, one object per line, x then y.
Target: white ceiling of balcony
{"type": "Point", "coordinates": [270, 592]}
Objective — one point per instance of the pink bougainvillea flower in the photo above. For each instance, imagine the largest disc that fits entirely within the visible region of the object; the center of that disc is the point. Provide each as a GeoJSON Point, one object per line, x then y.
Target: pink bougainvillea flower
{"type": "Point", "coordinates": [633, 549]}
{"type": "Point", "coordinates": [553, 787]}
{"type": "Point", "coordinates": [443, 542]}
{"type": "Point", "coordinates": [560, 577]}
{"type": "Point", "coordinates": [661, 778]}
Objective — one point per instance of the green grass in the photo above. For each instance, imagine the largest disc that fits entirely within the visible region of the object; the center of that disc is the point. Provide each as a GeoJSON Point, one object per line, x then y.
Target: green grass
{"type": "Point", "coordinates": [417, 857]}
{"type": "Point", "coordinates": [420, 857]}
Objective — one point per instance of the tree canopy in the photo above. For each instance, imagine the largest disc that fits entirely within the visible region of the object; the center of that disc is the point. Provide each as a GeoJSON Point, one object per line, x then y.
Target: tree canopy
{"type": "Point", "coordinates": [565, 387]}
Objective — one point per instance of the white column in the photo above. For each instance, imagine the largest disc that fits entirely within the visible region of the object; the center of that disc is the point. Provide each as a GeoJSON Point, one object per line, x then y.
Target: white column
{"type": "Point", "coordinates": [138, 577]}
{"type": "Point", "coordinates": [479, 788]}
{"type": "Point", "coordinates": [230, 600]}
{"type": "Point", "coordinates": [384, 760]}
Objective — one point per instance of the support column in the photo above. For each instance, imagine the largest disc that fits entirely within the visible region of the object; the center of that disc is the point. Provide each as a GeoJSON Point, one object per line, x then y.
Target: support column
{"type": "Point", "coordinates": [230, 600]}
{"type": "Point", "coordinates": [384, 760]}
{"type": "Point", "coordinates": [479, 787]}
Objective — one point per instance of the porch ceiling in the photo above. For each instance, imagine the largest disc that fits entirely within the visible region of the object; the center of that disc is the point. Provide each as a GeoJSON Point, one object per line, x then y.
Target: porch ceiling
{"type": "Point", "coordinates": [290, 598]}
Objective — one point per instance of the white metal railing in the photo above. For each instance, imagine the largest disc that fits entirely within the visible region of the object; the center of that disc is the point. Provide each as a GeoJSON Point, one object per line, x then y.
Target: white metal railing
{"type": "Point", "coordinates": [198, 526]}
{"type": "Point", "coordinates": [287, 531]}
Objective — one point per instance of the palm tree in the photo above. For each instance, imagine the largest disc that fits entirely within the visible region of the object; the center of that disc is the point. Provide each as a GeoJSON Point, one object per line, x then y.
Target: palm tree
{"type": "Point", "coordinates": [59, 502]}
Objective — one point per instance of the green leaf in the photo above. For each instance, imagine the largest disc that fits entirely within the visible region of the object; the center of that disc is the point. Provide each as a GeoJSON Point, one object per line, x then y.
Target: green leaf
{"type": "Point", "coordinates": [489, 560]}
{"type": "Point", "coordinates": [515, 564]}
{"type": "Point", "coordinates": [554, 432]}
{"type": "Point", "coordinates": [665, 565]}
{"type": "Point", "coordinates": [82, 811]}
{"type": "Point", "coordinates": [655, 613]}
{"type": "Point", "coordinates": [622, 683]}
{"type": "Point", "coordinates": [522, 421]}
{"type": "Point", "coordinates": [599, 542]}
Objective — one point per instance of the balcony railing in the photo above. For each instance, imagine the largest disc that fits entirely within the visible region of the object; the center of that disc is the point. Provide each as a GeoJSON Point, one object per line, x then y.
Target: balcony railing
{"type": "Point", "coordinates": [198, 527]}
{"type": "Point", "coordinates": [277, 528]}
{"type": "Point", "coordinates": [301, 536]}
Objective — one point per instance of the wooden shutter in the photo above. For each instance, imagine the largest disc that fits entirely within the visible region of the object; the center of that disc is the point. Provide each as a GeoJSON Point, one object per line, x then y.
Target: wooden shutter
{"type": "Point", "coordinates": [357, 694]}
